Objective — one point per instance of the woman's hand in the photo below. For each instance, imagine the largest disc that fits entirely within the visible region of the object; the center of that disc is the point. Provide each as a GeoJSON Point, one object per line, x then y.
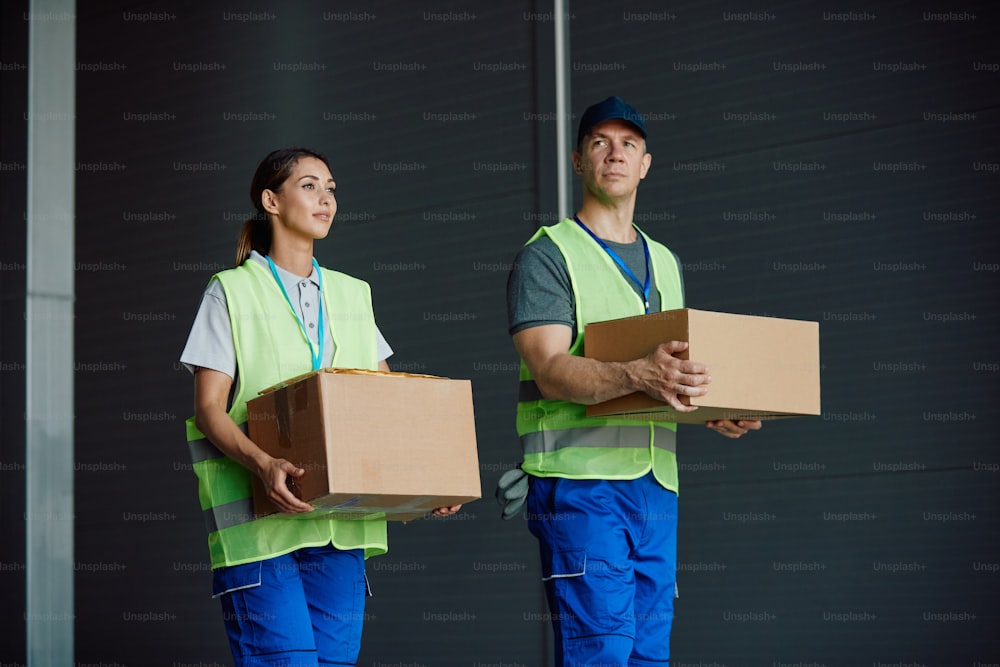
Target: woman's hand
{"type": "Point", "coordinates": [211, 392]}
{"type": "Point", "coordinates": [446, 511]}
{"type": "Point", "coordinates": [279, 478]}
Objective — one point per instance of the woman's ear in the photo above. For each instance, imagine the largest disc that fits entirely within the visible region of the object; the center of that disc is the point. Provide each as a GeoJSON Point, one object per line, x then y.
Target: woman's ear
{"type": "Point", "coordinates": [269, 200]}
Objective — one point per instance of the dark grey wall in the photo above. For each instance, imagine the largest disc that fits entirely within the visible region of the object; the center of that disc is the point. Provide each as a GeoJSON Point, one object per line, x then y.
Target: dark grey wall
{"type": "Point", "coordinates": [838, 167]}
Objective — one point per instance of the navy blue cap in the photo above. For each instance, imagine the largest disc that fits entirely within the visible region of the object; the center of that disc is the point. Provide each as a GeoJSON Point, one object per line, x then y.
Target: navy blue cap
{"type": "Point", "coordinates": [610, 109]}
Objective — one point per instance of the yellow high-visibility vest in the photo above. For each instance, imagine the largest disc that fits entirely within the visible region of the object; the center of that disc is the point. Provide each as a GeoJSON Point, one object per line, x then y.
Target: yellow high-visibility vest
{"type": "Point", "coordinates": [271, 347]}
{"type": "Point", "coordinates": [558, 437]}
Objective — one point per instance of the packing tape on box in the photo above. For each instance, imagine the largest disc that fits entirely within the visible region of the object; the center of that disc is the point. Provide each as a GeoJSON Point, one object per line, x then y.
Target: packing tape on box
{"type": "Point", "coordinates": [283, 419]}
{"type": "Point", "coordinates": [301, 397]}
{"type": "Point", "coordinates": [292, 399]}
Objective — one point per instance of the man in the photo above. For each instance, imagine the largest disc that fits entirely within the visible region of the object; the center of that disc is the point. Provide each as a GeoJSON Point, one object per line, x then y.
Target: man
{"type": "Point", "coordinates": [602, 497]}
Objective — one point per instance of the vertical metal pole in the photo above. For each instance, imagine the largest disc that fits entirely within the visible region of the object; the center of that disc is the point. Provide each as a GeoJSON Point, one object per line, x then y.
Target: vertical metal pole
{"type": "Point", "coordinates": [49, 330]}
{"type": "Point", "coordinates": [563, 124]}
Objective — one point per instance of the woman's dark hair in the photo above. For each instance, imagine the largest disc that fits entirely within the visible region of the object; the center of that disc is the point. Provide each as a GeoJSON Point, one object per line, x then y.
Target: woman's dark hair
{"type": "Point", "coordinates": [271, 174]}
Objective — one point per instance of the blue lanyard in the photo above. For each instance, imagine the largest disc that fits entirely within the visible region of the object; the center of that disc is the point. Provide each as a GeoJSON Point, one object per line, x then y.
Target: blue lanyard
{"type": "Point", "coordinates": [317, 356]}
{"type": "Point", "coordinates": [620, 263]}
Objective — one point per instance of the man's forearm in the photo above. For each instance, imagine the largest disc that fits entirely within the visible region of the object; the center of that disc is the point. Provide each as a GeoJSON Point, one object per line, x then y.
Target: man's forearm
{"type": "Point", "coordinates": [586, 381]}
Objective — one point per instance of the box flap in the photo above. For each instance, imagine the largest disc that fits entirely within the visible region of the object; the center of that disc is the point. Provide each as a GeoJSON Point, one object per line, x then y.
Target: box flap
{"type": "Point", "coordinates": [346, 371]}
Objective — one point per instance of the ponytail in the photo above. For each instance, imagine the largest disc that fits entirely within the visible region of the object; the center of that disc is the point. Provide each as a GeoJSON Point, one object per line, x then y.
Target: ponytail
{"type": "Point", "coordinates": [255, 235]}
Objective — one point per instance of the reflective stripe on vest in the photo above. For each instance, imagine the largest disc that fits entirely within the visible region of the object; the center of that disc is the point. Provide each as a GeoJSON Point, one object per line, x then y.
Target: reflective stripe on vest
{"type": "Point", "coordinates": [231, 514]}
{"type": "Point", "coordinates": [619, 437]}
{"type": "Point", "coordinates": [557, 435]}
{"type": "Point", "coordinates": [225, 515]}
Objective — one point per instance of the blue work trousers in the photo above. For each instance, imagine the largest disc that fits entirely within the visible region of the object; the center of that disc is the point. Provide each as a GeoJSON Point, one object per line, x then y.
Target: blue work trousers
{"type": "Point", "coordinates": [303, 609]}
{"type": "Point", "coordinates": [609, 563]}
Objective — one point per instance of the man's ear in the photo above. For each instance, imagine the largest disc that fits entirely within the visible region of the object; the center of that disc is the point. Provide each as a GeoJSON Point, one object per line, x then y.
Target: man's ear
{"type": "Point", "coordinates": [577, 162]}
{"type": "Point", "coordinates": [647, 159]}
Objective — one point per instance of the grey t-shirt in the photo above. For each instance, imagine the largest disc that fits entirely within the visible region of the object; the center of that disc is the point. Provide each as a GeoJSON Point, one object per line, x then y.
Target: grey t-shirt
{"type": "Point", "coordinates": [210, 343]}
{"type": "Point", "coordinates": [539, 290]}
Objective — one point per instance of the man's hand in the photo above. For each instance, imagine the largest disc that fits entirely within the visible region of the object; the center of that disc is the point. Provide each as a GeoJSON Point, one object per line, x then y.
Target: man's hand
{"type": "Point", "coordinates": [733, 429]}
{"type": "Point", "coordinates": [666, 378]}
{"type": "Point", "coordinates": [562, 376]}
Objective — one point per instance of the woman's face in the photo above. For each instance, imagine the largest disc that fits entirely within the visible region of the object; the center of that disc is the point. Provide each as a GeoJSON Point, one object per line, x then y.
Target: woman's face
{"type": "Point", "coordinates": [305, 205]}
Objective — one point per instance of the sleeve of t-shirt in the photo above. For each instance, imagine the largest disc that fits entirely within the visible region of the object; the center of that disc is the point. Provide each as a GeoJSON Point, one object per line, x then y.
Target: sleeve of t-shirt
{"type": "Point", "coordinates": [383, 351]}
{"type": "Point", "coordinates": [210, 343]}
{"type": "Point", "coordinates": [538, 288]}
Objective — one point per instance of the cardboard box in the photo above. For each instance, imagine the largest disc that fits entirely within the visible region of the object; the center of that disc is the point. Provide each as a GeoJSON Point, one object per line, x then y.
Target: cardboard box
{"type": "Point", "coordinates": [761, 367]}
{"type": "Point", "coordinates": [370, 442]}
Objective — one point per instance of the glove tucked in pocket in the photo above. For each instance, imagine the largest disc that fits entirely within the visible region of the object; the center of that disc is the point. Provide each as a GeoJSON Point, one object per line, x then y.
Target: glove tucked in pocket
{"type": "Point", "coordinates": [512, 489]}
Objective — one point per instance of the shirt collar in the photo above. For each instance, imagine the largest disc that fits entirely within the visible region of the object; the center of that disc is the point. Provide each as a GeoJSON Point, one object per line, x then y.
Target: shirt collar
{"type": "Point", "coordinates": [286, 276]}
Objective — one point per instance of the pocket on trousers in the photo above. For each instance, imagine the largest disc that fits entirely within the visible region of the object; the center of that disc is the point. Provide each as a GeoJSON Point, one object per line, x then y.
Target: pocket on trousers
{"type": "Point", "coordinates": [236, 577]}
{"type": "Point", "coordinates": [565, 563]}
{"type": "Point", "coordinates": [590, 596]}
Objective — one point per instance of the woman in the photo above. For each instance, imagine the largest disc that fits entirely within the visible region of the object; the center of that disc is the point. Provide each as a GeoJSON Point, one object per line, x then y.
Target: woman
{"type": "Point", "coordinates": [292, 591]}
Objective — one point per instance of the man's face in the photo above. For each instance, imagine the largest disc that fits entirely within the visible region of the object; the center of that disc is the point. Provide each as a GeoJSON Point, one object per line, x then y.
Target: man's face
{"type": "Point", "coordinates": [612, 159]}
